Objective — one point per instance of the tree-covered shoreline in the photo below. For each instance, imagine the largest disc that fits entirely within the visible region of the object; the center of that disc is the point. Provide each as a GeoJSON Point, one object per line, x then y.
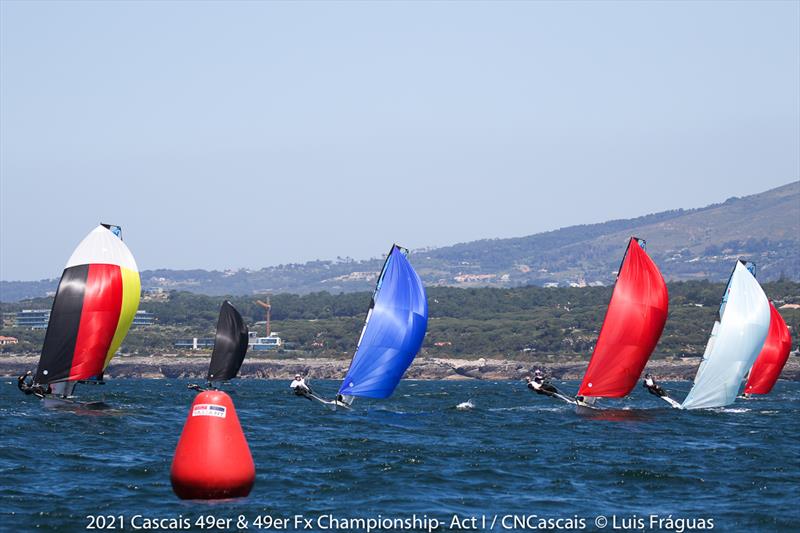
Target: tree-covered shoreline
{"type": "Point", "coordinates": [516, 323]}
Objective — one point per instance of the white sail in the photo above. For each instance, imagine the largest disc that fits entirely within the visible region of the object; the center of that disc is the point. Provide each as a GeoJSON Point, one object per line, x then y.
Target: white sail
{"type": "Point", "coordinates": [734, 344]}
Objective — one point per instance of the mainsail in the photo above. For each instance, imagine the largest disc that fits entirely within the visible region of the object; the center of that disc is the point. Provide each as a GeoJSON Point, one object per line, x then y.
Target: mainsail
{"type": "Point", "coordinates": [393, 331]}
{"type": "Point", "coordinates": [772, 358]}
{"type": "Point", "coordinates": [736, 339]}
{"type": "Point", "coordinates": [94, 306]}
{"type": "Point", "coordinates": [230, 344]}
{"type": "Point", "coordinates": [634, 320]}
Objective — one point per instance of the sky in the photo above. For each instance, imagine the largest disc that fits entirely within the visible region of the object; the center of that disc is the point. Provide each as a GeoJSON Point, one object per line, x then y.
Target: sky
{"type": "Point", "coordinates": [244, 135]}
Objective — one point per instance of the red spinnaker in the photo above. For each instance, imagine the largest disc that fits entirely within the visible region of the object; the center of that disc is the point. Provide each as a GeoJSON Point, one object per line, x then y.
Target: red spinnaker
{"type": "Point", "coordinates": [633, 324]}
{"type": "Point", "coordinates": [102, 301]}
{"type": "Point", "coordinates": [773, 356]}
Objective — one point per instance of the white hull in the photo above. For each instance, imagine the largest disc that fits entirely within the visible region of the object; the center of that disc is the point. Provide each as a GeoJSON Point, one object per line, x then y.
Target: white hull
{"type": "Point", "coordinates": [672, 402]}
{"type": "Point", "coordinates": [586, 406]}
{"type": "Point", "coordinates": [333, 404]}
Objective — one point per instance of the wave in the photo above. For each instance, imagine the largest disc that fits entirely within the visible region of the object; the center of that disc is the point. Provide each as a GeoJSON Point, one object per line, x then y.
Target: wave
{"type": "Point", "coordinates": [466, 406]}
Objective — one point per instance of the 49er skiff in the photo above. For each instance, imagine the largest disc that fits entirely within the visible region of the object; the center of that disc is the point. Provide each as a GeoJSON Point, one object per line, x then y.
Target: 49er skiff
{"type": "Point", "coordinates": [735, 342]}
{"type": "Point", "coordinates": [230, 347]}
{"type": "Point", "coordinates": [94, 306]}
{"type": "Point", "coordinates": [392, 334]}
{"type": "Point", "coordinates": [632, 326]}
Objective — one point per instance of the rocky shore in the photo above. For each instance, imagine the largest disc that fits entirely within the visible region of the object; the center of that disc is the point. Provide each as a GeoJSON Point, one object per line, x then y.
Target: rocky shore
{"type": "Point", "coordinates": [434, 368]}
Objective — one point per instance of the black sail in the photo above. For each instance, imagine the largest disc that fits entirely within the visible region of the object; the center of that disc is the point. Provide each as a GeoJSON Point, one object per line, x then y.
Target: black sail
{"type": "Point", "coordinates": [230, 344]}
{"type": "Point", "coordinates": [62, 331]}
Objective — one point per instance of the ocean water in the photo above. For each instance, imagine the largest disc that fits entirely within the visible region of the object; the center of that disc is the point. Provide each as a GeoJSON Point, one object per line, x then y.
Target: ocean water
{"type": "Point", "coordinates": [515, 455]}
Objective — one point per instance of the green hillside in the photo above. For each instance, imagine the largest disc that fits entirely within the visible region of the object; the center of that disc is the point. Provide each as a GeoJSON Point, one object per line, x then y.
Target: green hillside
{"type": "Point", "coordinates": [514, 323]}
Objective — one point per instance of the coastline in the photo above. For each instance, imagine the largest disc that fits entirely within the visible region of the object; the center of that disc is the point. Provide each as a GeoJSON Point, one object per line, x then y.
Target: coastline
{"type": "Point", "coordinates": [423, 368]}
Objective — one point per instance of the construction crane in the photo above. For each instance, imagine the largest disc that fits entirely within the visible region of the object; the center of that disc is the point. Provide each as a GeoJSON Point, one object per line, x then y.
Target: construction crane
{"type": "Point", "coordinates": [268, 309]}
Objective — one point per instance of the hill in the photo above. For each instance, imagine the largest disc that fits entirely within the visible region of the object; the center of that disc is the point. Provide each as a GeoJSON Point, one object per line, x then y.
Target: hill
{"type": "Point", "coordinates": [687, 244]}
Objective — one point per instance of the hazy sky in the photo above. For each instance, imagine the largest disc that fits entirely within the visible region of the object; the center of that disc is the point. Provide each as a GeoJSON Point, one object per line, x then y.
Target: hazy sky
{"type": "Point", "coordinates": [227, 135]}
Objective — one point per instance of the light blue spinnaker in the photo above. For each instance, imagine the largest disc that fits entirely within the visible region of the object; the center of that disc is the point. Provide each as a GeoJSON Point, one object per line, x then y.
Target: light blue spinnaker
{"type": "Point", "coordinates": [735, 342]}
{"type": "Point", "coordinates": [393, 331]}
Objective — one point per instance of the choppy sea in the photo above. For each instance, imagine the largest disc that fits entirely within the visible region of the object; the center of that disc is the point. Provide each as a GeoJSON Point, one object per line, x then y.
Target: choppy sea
{"type": "Point", "coordinates": [516, 461]}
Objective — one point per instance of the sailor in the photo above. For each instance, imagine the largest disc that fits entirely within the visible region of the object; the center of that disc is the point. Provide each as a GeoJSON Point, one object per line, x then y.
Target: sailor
{"type": "Point", "coordinates": [299, 386]}
{"type": "Point", "coordinates": [653, 387]}
{"type": "Point", "coordinates": [540, 385]}
{"type": "Point", "coordinates": [25, 382]}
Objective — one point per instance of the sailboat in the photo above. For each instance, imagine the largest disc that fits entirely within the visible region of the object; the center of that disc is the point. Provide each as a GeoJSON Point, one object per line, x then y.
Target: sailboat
{"type": "Point", "coordinates": [94, 306]}
{"type": "Point", "coordinates": [632, 326]}
{"type": "Point", "coordinates": [230, 346]}
{"type": "Point", "coordinates": [735, 342]}
{"type": "Point", "coordinates": [773, 356]}
{"type": "Point", "coordinates": [392, 335]}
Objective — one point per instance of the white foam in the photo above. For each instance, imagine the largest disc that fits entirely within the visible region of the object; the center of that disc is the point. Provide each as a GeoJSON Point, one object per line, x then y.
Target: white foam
{"type": "Point", "coordinates": [532, 408]}
{"type": "Point", "coordinates": [465, 406]}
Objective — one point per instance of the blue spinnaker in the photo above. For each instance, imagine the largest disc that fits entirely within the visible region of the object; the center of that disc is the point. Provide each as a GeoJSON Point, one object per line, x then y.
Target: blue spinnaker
{"type": "Point", "coordinates": [393, 332]}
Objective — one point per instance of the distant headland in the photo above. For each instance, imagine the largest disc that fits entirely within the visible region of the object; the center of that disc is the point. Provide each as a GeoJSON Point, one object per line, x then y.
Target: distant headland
{"type": "Point", "coordinates": [687, 244]}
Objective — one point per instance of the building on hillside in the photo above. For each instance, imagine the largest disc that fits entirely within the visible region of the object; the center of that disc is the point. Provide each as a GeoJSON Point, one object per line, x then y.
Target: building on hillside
{"type": "Point", "coordinates": [8, 340]}
{"type": "Point", "coordinates": [32, 318]}
{"type": "Point", "coordinates": [144, 318]}
{"type": "Point", "coordinates": [157, 294]}
{"type": "Point", "coordinates": [9, 320]}
{"type": "Point", "coordinates": [194, 343]}
{"type": "Point", "coordinates": [474, 278]}
{"type": "Point", "coordinates": [256, 343]}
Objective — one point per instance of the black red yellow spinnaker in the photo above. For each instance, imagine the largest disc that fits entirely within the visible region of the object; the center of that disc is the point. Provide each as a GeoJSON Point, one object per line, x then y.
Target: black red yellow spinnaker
{"type": "Point", "coordinates": [94, 306]}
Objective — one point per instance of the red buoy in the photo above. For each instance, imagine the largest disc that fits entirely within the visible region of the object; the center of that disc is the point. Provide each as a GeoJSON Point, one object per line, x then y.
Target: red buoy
{"type": "Point", "coordinates": [212, 459]}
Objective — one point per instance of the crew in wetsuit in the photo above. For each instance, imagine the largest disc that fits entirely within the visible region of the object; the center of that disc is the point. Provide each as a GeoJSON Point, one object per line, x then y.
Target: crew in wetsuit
{"type": "Point", "coordinates": [26, 385]}
{"type": "Point", "coordinates": [540, 385]}
{"type": "Point", "coordinates": [299, 386]}
{"type": "Point", "coordinates": [653, 387]}
{"type": "Point", "coordinates": [25, 382]}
